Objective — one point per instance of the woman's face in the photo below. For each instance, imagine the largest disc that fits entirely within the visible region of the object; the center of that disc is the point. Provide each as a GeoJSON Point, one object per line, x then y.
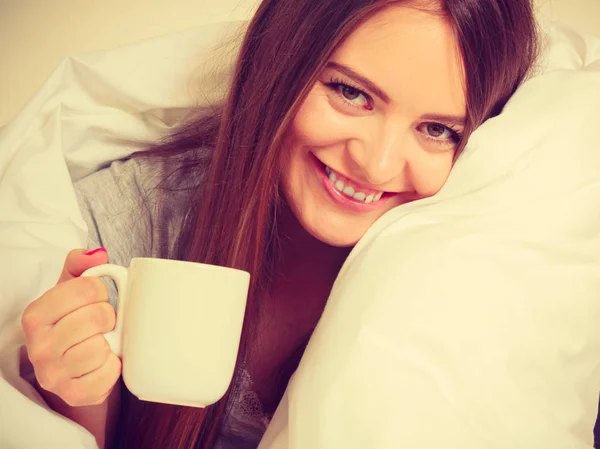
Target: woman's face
{"type": "Point", "coordinates": [380, 126]}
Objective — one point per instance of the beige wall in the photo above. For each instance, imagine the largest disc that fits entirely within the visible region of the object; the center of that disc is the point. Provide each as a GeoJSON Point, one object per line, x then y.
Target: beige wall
{"type": "Point", "coordinates": [35, 35]}
{"type": "Point", "coordinates": [584, 15]}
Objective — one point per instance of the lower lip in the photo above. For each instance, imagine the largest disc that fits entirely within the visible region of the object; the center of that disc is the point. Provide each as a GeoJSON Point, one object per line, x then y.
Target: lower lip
{"type": "Point", "coordinates": [343, 199]}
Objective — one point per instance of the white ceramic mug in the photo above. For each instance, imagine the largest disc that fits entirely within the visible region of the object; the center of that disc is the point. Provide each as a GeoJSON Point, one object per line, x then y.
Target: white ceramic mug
{"type": "Point", "coordinates": [178, 328]}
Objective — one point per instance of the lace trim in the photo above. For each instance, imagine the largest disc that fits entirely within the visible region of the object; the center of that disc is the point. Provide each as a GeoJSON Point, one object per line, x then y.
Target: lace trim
{"type": "Point", "coordinates": [245, 418]}
{"type": "Point", "coordinates": [248, 402]}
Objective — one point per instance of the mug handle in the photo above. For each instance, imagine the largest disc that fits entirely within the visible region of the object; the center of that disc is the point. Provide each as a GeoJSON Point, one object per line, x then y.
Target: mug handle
{"type": "Point", "coordinates": [118, 274]}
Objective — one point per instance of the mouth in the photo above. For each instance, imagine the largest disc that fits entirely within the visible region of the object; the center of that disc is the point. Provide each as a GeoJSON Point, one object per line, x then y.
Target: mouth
{"type": "Point", "coordinates": [348, 193]}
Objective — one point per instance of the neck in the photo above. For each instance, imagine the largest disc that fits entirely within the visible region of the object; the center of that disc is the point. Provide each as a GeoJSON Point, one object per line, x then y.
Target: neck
{"type": "Point", "coordinates": [304, 257]}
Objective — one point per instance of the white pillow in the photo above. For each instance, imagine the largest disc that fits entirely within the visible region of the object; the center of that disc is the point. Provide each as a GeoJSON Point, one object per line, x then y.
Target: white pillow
{"type": "Point", "coordinates": [471, 319]}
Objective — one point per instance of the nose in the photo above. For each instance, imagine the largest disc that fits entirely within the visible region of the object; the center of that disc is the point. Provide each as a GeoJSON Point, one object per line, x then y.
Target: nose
{"type": "Point", "coordinates": [379, 150]}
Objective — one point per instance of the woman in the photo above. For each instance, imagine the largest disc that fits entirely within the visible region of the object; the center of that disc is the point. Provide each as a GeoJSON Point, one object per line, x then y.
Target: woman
{"type": "Point", "coordinates": [337, 112]}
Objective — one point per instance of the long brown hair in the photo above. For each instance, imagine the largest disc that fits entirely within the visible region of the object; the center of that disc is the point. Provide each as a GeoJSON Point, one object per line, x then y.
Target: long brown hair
{"type": "Point", "coordinates": [232, 217]}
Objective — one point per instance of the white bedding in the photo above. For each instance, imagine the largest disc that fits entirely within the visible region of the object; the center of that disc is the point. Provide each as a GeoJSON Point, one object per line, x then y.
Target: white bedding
{"type": "Point", "coordinates": [94, 109]}
{"type": "Point", "coordinates": [459, 321]}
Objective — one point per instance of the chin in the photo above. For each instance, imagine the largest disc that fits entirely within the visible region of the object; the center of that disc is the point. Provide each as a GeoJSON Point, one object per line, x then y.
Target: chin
{"type": "Point", "coordinates": [338, 242]}
{"type": "Point", "coordinates": [333, 237]}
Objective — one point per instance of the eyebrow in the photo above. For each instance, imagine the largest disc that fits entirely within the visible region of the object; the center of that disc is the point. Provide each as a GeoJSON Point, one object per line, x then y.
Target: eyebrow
{"type": "Point", "coordinates": [359, 79]}
{"type": "Point", "coordinates": [456, 120]}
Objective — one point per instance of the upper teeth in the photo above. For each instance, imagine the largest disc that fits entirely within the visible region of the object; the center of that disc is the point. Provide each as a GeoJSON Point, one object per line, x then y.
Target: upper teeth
{"type": "Point", "coordinates": [349, 191]}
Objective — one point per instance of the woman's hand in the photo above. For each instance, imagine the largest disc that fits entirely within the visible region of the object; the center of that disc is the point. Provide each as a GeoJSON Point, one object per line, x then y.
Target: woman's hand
{"type": "Point", "coordinates": [64, 336]}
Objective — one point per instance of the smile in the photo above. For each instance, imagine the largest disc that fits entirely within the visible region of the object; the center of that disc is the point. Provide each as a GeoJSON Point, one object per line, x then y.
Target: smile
{"type": "Point", "coordinates": [349, 189]}
{"type": "Point", "coordinates": [347, 193]}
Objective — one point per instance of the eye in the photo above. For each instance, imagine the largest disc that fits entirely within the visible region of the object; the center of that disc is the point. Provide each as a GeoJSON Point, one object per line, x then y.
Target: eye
{"type": "Point", "coordinates": [439, 133]}
{"type": "Point", "coordinates": [350, 95]}
{"type": "Point", "coordinates": [353, 95]}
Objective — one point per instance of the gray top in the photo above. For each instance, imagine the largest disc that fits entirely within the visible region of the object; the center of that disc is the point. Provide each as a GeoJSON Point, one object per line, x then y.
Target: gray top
{"type": "Point", "coordinates": [119, 205]}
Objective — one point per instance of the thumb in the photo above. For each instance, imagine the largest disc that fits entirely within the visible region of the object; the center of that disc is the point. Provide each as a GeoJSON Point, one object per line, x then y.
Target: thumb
{"type": "Point", "coordinates": [79, 260]}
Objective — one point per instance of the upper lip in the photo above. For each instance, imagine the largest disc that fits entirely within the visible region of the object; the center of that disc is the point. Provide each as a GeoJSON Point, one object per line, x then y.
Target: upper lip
{"type": "Point", "coordinates": [358, 184]}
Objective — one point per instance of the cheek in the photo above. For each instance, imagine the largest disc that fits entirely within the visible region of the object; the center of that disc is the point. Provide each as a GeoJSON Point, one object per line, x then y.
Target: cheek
{"type": "Point", "coordinates": [428, 174]}
{"type": "Point", "coordinates": [317, 123]}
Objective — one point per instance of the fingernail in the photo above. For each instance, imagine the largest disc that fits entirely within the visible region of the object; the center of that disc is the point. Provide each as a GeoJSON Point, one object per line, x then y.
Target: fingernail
{"type": "Point", "coordinates": [94, 251]}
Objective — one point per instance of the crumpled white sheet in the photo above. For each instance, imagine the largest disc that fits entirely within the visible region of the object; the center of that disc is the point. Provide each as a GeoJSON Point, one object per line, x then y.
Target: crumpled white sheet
{"type": "Point", "coordinates": [362, 383]}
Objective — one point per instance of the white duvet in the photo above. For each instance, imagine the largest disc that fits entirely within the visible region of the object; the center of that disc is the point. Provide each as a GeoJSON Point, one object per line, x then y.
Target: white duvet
{"type": "Point", "coordinates": [467, 320]}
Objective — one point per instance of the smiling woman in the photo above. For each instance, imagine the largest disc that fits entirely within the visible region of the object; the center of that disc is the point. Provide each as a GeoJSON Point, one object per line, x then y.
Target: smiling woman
{"type": "Point", "coordinates": [337, 112]}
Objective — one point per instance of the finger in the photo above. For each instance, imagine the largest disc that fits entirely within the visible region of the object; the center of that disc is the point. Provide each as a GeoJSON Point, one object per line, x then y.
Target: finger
{"type": "Point", "coordinates": [83, 323]}
{"type": "Point", "coordinates": [50, 373]}
{"type": "Point", "coordinates": [79, 260]}
{"type": "Point", "coordinates": [61, 300]}
{"type": "Point", "coordinates": [92, 388]}
{"type": "Point", "coordinates": [87, 356]}
{"type": "Point", "coordinates": [47, 346]}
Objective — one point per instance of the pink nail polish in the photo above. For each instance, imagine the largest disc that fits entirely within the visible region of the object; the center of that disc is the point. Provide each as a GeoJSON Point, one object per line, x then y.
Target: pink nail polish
{"type": "Point", "coordinates": [94, 251]}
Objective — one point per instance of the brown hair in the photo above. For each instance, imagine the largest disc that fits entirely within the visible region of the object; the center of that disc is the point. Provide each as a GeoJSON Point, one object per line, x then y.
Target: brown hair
{"type": "Point", "coordinates": [233, 223]}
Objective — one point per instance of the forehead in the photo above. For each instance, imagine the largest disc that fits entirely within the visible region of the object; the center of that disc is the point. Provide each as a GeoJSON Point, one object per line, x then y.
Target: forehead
{"type": "Point", "coordinates": [412, 55]}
